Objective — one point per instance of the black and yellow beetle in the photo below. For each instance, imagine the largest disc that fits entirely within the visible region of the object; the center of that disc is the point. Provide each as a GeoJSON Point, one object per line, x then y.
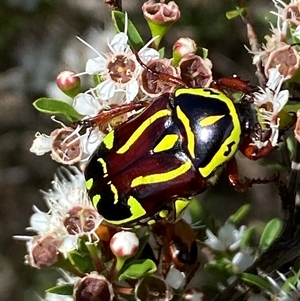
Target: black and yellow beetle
{"type": "Point", "coordinates": [148, 167]}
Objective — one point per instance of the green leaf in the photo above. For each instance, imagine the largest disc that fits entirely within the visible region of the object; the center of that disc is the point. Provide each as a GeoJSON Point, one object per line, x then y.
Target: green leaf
{"type": "Point", "coordinates": [235, 13]}
{"type": "Point", "coordinates": [291, 144]}
{"type": "Point", "coordinates": [203, 52]}
{"type": "Point", "coordinates": [81, 260]}
{"type": "Point", "coordinates": [247, 236]}
{"type": "Point", "coordinates": [257, 281]}
{"type": "Point", "coordinates": [57, 108]}
{"type": "Point", "coordinates": [239, 215]}
{"type": "Point", "coordinates": [137, 269]}
{"type": "Point", "coordinates": [66, 289]}
{"type": "Point", "coordinates": [270, 233]}
{"type": "Point", "coordinates": [161, 52]}
{"type": "Point", "coordinates": [134, 39]}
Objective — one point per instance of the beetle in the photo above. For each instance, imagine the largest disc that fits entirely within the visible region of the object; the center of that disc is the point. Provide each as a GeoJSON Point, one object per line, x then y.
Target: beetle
{"type": "Point", "coordinates": [148, 167]}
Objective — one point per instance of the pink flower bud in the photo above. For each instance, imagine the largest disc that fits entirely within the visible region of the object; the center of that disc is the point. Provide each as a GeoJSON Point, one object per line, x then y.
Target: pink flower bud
{"type": "Point", "coordinates": [184, 46]}
{"type": "Point", "coordinates": [93, 287]}
{"type": "Point", "coordinates": [124, 244]}
{"type": "Point", "coordinates": [68, 83]}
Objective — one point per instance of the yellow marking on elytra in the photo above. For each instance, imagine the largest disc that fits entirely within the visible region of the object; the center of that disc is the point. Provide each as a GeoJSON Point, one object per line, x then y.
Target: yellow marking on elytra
{"type": "Point", "coordinates": [180, 205]}
{"type": "Point", "coordinates": [109, 140]}
{"type": "Point", "coordinates": [96, 199]}
{"type": "Point", "coordinates": [139, 131]}
{"type": "Point", "coordinates": [162, 177]}
{"type": "Point", "coordinates": [115, 192]}
{"type": "Point", "coordinates": [103, 163]}
{"type": "Point", "coordinates": [136, 209]}
{"type": "Point", "coordinates": [89, 183]}
{"type": "Point", "coordinates": [209, 120]}
{"type": "Point", "coordinates": [188, 130]}
{"type": "Point", "coordinates": [166, 143]}
{"type": "Point", "coordinates": [234, 137]}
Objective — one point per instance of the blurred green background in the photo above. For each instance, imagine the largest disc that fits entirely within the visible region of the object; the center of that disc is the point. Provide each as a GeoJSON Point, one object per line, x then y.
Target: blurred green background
{"type": "Point", "coordinates": [37, 41]}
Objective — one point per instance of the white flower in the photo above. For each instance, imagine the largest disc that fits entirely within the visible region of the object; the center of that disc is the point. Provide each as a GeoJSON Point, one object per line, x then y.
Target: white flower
{"type": "Point", "coordinates": [242, 260]}
{"type": "Point", "coordinates": [229, 238]}
{"type": "Point", "coordinates": [119, 69]}
{"type": "Point", "coordinates": [67, 145]}
{"type": "Point", "coordinates": [41, 144]}
{"type": "Point", "coordinates": [70, 215]}
{"type": "Point", "coordinates": [175, 278]}
{"type": "Point", "coordinates": [276, 99]}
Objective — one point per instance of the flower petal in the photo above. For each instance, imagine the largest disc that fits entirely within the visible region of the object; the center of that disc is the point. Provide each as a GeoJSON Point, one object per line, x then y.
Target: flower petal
{"type": "Point", "coordinates": [95, 65]}
{"type": "Point", "coordinates": [86, 104]}
{"type": "Point", "coordinates": [106, 89]}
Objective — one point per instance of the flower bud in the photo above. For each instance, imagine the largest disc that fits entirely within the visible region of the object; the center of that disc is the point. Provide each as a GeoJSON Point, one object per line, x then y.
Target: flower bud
{"type": "Point", "coordinates": [183, 46]}
{"type": "Point", "coordinates": [160, 17]}
{"type": "Point", "coordinates": [68, 83]}
{"type": "Point", "coordinates": [124, 244]}
{"type": "Point", "coordinates": [93, 287]}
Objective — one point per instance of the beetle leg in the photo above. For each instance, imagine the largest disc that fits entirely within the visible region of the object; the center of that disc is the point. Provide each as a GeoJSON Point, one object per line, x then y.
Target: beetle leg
{"type": "Point", "coordinates": [234, 82]}
{"type": "Point", "coordinates": [241, 186]}
{"type": "Point", "coordinates": [105, 116]}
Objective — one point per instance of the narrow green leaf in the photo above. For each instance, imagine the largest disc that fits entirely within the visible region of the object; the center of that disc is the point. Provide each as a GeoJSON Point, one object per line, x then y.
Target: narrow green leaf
{"type": "Point", "coordinates": [257, 281]}
{"type": "Point", "coordinates": [57, 108]}
{"type": "Point", "coordinates": [134, 39]}
{"type": "Point", "coordinates": [239, 215]}
{"type": "Point", "coordinates": [66, 289]}
{"type": "Point", "coordinates": [247, 236]}
{"type": "Point", "coordinates": [270, 233]}
{"type": "Point", "coordinates": [161, 52]}
{"type": "Point", "coordinates": [138, 269]}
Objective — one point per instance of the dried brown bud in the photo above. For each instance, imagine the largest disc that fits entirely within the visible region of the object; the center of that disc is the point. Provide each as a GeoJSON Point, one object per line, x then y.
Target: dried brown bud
{"type": "Point", "coordinates": [195, 71]}
{"type": "Point", "coordinates": [93, 287]}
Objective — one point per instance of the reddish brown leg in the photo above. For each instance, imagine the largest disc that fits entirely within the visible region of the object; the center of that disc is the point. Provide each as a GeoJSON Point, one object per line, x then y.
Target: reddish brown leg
{"type": "Point", "coordinates": [234, 82]}
{"type": "Point", "coordinates": [241, 186]}
{"type": "Point", "coordinates": [162, 76]}
{"type": "Point", "coordinates": [252, 152]}
{"type": "Point", "coordinates": [104, 116]}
